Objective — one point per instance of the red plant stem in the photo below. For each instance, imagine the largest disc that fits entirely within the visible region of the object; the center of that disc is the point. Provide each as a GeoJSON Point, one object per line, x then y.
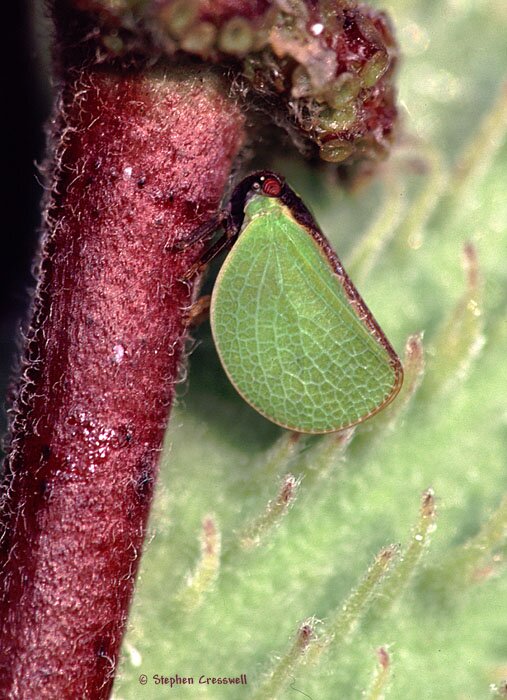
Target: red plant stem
{"type": "Point", "coordinates": [141, 160]}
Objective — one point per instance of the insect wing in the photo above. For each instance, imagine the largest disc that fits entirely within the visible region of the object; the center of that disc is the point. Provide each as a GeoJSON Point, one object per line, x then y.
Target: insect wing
{"type": "Point", "coordinates": [287, 335]}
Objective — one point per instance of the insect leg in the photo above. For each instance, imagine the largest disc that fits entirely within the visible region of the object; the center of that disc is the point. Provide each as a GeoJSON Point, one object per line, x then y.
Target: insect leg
{"type": "Point", "coordinates": [225, 241]}
{"type": "Point", "coordinates": [199, 311]}
{"type": "Point", "coordinates": [202, 233]}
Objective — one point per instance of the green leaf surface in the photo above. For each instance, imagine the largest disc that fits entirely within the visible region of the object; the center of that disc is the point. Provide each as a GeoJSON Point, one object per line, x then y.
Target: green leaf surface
{"type": "Point", "coordinates": [441, 608]}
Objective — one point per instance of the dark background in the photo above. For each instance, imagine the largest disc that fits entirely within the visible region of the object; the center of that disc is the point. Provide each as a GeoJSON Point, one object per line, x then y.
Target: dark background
{"type": "Point", "coordinates": [26, 107]}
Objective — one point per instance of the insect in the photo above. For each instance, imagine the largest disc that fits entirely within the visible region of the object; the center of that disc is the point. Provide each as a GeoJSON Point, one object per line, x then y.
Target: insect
{"type": "Point", "coordinates": [292, 332]}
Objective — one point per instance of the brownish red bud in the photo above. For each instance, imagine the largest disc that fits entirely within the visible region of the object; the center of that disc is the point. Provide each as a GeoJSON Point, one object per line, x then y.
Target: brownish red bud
{"type": "Point", "coordinates": [321, 69]}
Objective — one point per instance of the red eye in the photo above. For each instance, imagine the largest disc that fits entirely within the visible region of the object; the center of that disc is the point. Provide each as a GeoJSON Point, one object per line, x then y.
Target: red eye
{"type": "Point", "coordinates": [271, 187]}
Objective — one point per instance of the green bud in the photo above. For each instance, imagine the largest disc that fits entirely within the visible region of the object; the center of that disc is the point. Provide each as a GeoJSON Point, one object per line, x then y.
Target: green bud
{"type": "Point", "coordinates": [336, 119]}
{"type": "Point", "coordinates": [336, 150]}
{"type": "Point", "coordinates": [374, 69]}
{"type": "Point", "coordinates": [179, 15]}
{"type": "Point", "coordinates": [200, 39]}
{"type": "Point", "coordinates": [236, 37]}
{"type": "Point", "coordinates": [345, 89]}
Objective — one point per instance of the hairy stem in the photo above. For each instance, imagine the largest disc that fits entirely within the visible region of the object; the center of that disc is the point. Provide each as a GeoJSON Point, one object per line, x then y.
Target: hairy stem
{"type": "Point", "coordinates": [140, 159]}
